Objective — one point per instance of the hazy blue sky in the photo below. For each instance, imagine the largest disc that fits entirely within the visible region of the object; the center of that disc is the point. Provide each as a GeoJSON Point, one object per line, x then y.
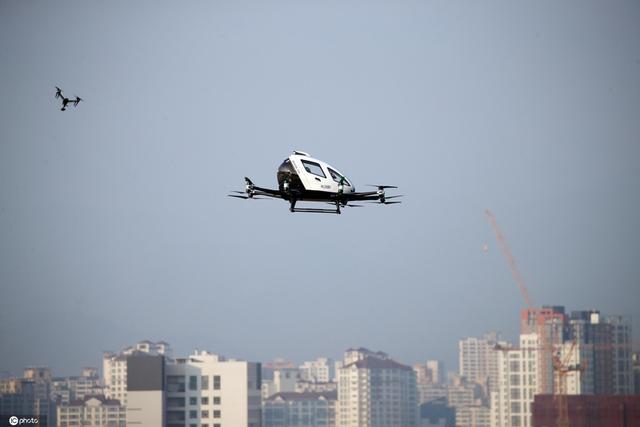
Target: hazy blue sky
{"type": "Point", "coordinates": [114, 220]}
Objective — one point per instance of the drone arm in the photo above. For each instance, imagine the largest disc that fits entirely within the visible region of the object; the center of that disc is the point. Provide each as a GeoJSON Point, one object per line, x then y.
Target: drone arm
{"type": "Point", "coordinates": [267, 192]}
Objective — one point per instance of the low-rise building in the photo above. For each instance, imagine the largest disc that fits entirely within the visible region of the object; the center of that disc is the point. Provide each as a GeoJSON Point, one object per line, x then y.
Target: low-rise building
{"type": "Point", "coordinates": [92, 411]}
{"type": "Point", "coordinates": [300, 409]}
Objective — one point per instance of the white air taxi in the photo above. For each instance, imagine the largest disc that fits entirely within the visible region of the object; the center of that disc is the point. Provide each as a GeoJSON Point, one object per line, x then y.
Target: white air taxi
{"type": "Point", "coordinates": [303, 178]}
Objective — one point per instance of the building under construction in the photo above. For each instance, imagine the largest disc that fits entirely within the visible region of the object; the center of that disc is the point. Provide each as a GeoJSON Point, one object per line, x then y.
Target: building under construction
{"type": "Point", "coordinates": [587, 411]}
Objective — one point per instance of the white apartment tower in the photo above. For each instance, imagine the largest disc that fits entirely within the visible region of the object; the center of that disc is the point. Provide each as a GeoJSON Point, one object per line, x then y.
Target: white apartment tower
{"type": "Point", "coordinates": [436, 370]}
{"type": "Point", "coordinates": [114, 367]}
{"type": "Point", "coordinates": [517, 384]}
{"type": "Point", "coordinates": [320, 370]}
{"type": "Point", "coordinates": [207, 390]}
{"type": "Point", "coordinates": [376, 392]}
{"type": "Point", "coordinates": [285, 379]}
{"type": "Point", "coordinates": [478, 359]}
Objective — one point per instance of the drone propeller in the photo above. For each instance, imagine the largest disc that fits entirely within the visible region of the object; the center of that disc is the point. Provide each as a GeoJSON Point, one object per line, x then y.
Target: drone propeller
{"type": "Point", "coordinates": [346, 206]}
{"type": "Point", "coordinates": [382, 187]}
{"type": "Point", "coordinates": [247, 197]}
{"type": "Point", "coordinates": [385, 203]}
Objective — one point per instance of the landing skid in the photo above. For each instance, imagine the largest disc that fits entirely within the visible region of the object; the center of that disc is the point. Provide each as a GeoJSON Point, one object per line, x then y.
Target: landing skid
{"type": "Point", "coordinates": [314, 210]}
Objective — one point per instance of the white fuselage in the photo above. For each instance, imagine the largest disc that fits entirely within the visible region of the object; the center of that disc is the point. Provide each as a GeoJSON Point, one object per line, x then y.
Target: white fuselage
{"type": "Point", "coordinates": [317, 175]}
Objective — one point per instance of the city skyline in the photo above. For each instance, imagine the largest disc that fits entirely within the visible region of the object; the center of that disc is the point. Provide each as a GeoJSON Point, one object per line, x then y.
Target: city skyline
{"type": "Point", "coordinates": [114, 220]}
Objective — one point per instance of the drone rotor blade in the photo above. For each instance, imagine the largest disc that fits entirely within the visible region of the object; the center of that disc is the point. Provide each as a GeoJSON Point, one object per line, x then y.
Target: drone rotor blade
{"type": "Point", "coordinates": [393, 197]}
{"type": "Point", "coordinates": [247, 197]}
{"type": "Point", "coordinates": [382, 186]}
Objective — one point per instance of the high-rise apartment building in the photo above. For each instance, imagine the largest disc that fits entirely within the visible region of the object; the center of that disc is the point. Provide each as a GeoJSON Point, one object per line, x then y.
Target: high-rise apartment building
{"type": "Point", "coordinates": [284, 380]}
{"type": "Point", "coordinates": [478, 359]}
{"type": "Point", "coordinates": [621, 354]}
{"type": "Point", "coordinates": [463, 397]}
{"type": "Point", "coordinates": [376, 391]}
{"type": "Point", "coordinates": [207, 390]}
{"type": "Point", "coordinates": [603, 349]}
{"type": "Point", "coordinates": [549, 323]}
{"type": "Point", "coordinates": [114, 367]}
{"type": "Point", "coordinates": [319, 370]}
{"type": "Point", "coordinates": [64, 390]}
{"type": "Point", "coordinates": [427, 376]}
{"type": "Point", "coordinates": [146, 390]}
{"type": "Point", "coordinates": [517, 384]}
{"type": "Point", "coordinates": [436, 371]}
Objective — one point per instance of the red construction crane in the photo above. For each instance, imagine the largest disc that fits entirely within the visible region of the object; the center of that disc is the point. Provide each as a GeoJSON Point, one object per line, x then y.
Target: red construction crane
{"type": "Point", "coordinates": [506, 251]}
{"type": "Point", "coordinates": [540, 316]}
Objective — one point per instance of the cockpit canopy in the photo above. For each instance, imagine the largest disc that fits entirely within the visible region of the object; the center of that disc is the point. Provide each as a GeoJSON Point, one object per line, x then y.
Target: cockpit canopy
{"type": "Point", "coordinates": [319, 175]}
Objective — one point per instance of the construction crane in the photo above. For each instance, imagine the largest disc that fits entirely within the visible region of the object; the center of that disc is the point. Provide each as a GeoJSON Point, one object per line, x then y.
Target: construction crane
{"type": "Point", "coordinates": [539, 318]}
{"type": "Point", "coordinates": [506, 251]}
{"type": "Point", "coordinates": [562, 368]}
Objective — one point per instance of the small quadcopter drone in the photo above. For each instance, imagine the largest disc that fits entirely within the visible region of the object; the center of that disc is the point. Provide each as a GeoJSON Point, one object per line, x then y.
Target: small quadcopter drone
{"type": "Point", "coordinates": [65, 100]}
{"type": "Point", "coordinates": [301, 178]}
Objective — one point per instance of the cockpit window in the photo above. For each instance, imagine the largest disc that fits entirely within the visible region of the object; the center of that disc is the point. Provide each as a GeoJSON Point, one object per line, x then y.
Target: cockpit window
{"type": "Point", "coordinates": [336, 177]}
{"type": "Point", "coordinates": [313, 168]}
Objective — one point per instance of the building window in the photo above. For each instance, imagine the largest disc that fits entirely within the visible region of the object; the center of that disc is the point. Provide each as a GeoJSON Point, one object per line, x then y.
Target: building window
{"type": "Point", "coordinates": [205, 400]}
{"type": "Point", "coordinates": [193, 400]}
{"type": "Point", "coordinates": [204, 382]}
{"type": "Point", "coordinates": [216, 382]}
{"type": "Point", "coordinates": [175, 383]}
{"type": "Point", "coordinates": [176, 402]}
{"type": "Point", "coordinates": [217, 414]}
{"type": "Point", "coordinates": [193, 382]}
{"type": "Point", "coordinates": [204, 414]}
{"type": "Point", "coordinates": [515, 380]}
{"type": "Point", "coordinates": [193, 414]}
{"type": "Point", "coordinates": [217, 400]}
